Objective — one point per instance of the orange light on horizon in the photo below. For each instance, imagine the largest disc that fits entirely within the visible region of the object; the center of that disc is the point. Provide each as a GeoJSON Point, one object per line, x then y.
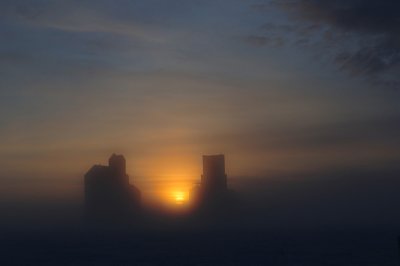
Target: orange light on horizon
{"type": "Point", "coordinates": [179, 197]}
{"type": "Point", "coordinates": [166, 179]}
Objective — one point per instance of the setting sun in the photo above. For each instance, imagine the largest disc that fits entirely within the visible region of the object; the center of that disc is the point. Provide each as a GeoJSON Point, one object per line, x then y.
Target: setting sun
{"type": "Point", "coordinates": [179, 197]}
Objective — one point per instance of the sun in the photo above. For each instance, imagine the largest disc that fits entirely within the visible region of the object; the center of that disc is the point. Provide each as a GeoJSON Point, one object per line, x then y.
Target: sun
{"type": "Point", "coordinates": [179, 197]}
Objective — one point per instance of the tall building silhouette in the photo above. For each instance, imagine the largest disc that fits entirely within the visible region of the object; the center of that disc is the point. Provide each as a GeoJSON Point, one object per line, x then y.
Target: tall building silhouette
{"type": "Point", "coordinates": [109, 197]}
{"type": "Point", "coordinates": [212, 193]}
{"type": "Point", "coordinates": [213, 179]}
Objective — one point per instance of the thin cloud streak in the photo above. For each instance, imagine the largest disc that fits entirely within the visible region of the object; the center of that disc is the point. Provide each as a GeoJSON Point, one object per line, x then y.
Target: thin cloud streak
{"type": "Point", "coordinates": [77, 18]}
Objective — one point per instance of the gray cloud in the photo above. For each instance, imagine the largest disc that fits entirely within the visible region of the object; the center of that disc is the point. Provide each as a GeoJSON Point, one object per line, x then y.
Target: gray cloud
{"type": "Point", "coordinates": [81, 17]}
{"type": "Point", "coordinates": [256, 40]}
{"type": "Point", "coordinates": [260, 41]}
{"type": "Point", "coordinates": [361, 37]}
{"type": "Point", "coordinates": [383, 131]}
{"type": "Point", "coordinates": [331, 145]}
{"type": "Point", "coordinates": [368, 16]}
{"type": "Point", "coordinates": [14, 58]}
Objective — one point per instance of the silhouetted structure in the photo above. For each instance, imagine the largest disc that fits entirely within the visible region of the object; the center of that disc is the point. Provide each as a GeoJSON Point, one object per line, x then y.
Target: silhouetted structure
{"type": "Point", "coordinates": [214, 178]}
{"type": "Point", "coordinates": [109, 198]}
{"type": "Point", "coordinates": [212, 193]}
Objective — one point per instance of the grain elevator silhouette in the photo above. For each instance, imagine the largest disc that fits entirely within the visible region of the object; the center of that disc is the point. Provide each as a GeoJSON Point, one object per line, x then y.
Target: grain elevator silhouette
{"type": "Point", "coordinates": [109, 197]}
{"type": "Point", "coordinates": [211, 194]}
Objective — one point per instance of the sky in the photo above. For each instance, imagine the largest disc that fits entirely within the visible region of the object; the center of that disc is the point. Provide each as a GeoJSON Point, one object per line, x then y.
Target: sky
{"type": "Point", "coordinates": [300, 95]}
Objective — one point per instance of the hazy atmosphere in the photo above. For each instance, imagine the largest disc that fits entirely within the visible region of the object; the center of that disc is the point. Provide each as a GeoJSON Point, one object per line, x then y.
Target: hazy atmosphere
{"type": "Point", "coordinates": [302, 97]}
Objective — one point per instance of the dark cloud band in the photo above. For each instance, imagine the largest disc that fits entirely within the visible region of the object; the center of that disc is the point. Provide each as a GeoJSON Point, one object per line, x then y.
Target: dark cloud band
{"type": "Point", "coordinates": [362, 36]}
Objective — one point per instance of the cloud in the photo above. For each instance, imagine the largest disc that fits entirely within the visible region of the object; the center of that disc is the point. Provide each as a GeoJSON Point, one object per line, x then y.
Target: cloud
{"type": "Point", "coordinates": [368, 16]}
{"type": "Point", "coordinates": [322, 136]}
{"type": "Point", "coordinates": [361, 37]}
{"type": "Point", "coordinates": [256, 40]}
{"type": "Point", "coordinates": [260, 41]}
{"type": "Point", "coordinates": [80, 17]}
{"type": "Point", "coordinates": [14, 58]}
{"type": "Point", "coordinates": [297, 149]}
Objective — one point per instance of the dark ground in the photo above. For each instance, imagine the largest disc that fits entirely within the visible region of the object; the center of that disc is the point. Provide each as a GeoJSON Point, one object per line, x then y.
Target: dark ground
{"type": "Point", "coordinates": [199, 248]}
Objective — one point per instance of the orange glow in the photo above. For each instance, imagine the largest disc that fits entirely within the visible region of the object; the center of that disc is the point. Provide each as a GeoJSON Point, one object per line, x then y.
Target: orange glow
{"type": "Point", "coordinates": [179, 197]}
{"type": "Point", "coordinates": [173, 197]}
{"type": "Point", "coordinates": [167, 179]}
